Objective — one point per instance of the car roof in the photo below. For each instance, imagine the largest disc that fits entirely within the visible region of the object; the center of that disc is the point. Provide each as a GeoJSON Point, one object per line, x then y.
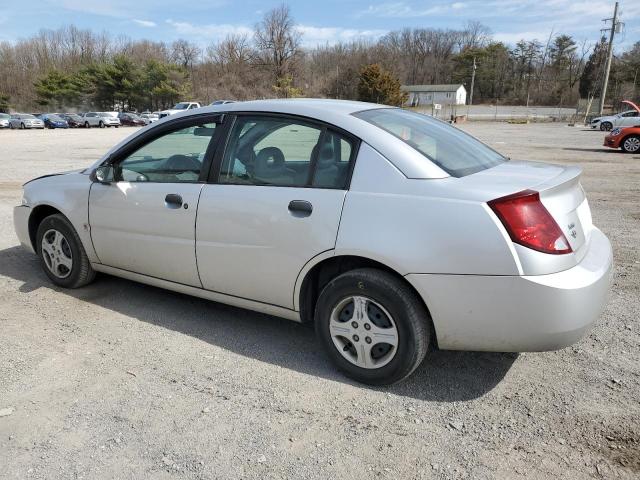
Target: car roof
{"type": "Point", "coordinates": [301, 106]}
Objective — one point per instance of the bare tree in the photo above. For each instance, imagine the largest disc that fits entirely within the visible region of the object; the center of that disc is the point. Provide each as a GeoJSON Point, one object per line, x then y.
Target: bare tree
{"type": "Point", "coordinates": [278, 42]}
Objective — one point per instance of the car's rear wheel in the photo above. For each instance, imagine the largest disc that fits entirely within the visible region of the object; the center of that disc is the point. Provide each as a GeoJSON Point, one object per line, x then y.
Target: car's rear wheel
{"type": "Point", "coordinates": [631, 144]}
{"type": "Point", "coordinates": [373, 326]}
{"type": "Point", "coordinates": [61, 253]}
{"type": "Point", "coordinates": [606, 126]}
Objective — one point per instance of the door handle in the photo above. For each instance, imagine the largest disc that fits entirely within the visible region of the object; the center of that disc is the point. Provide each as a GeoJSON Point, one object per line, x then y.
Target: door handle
{"type": "Point", "coordinates": [173, 200]}
{"type": "Point", "coordinates": [300, 208]}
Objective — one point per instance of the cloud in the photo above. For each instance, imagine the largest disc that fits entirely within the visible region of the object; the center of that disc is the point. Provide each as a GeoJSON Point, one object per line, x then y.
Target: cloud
{"type": "Point", "coordinates": [312, 36]}
{"type": "Point", "coordinates": [210, 32]}
{"type": "Point", "coordinates": [400, 10]}
{"type": "Point", "coordinates": [145, 23]}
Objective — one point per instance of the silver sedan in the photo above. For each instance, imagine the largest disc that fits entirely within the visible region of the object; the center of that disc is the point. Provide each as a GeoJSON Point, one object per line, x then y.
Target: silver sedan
{"type": "Point", "coordinates": [390, 231]}
{"type": "Point", "coordinates": [25, 120]}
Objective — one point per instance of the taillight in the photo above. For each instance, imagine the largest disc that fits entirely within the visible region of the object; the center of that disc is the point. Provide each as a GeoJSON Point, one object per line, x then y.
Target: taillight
{"type": "Point", "coordinates": [529, 223]}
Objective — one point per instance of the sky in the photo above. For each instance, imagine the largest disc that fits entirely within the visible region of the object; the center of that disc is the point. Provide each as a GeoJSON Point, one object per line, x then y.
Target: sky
{"type": "Point", "coordinates": [320, 21]}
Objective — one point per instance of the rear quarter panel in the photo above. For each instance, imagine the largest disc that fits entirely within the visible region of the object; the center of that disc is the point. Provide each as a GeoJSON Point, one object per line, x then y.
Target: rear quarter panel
{"type": "Point", "coordinates": [410, 226]}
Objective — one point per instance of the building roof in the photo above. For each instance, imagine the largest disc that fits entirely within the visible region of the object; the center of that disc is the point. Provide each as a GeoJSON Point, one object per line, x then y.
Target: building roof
{"type": "Point", "coordinates": [431, 88]}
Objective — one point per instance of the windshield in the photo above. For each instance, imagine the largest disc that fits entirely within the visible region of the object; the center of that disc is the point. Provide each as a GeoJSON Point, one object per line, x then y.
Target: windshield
{"type": "Point", "coordinates": [54, 118]}
{"type": "Point", "coordinates": [4, 116]}
{"type": "Point", "coordinates": [26, 116]}
{"type": "Point", "coordinates": [181, 106]}
{"type": "Point", "coordinates": [454, 151]}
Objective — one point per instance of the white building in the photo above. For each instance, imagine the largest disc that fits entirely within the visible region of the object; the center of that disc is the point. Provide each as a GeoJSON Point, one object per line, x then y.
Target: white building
{"type": "Point", "coordinates": [430, 94]}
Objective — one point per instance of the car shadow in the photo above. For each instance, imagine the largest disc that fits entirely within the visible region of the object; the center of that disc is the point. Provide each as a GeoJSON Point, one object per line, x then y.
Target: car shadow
{"type": "Point", "coordinates": [597, 150]}
{"type": "Point", "coordinates": [444, 375]}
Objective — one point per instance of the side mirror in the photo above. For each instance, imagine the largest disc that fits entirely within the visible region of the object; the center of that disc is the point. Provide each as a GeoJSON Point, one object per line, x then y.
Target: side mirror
{"type": "Point", "coordinates": [103, 174]}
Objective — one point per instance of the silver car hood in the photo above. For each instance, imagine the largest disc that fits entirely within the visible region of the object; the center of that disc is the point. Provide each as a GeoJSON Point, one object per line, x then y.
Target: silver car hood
{"type": "Point", "coordinates": [68, 172]}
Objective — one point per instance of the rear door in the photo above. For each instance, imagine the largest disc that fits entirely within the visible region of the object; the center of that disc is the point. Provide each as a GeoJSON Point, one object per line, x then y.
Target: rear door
{"type": "Point", "coordinates": [275, 204]}
{"type": "Point", "coordinates": [144, 222]}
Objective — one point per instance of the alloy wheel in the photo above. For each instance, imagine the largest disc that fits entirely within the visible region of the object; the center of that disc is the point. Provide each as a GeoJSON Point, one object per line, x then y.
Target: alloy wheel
{"type": "Point", "coordinates": [632, 144]}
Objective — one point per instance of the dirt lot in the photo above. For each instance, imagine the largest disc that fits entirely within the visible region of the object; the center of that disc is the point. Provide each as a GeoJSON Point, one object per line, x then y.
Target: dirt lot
{"type": "Point", "coordinates": [121, 380]}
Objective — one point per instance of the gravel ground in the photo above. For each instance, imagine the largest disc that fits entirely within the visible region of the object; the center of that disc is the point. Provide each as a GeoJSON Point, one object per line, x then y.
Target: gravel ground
{"type": "Point", "coordinates": [122, 380]}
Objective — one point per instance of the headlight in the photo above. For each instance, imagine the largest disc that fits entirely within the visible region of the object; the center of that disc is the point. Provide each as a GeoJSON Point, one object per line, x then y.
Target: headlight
{"type": "Point", "coordinates": [615, 132]}
{"type": "Point", "coordinates": [25, 203]}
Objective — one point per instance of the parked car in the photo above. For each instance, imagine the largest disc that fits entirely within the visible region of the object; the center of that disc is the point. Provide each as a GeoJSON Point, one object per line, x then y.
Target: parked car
{"type": "Point", "coordinates": [391, 231]}
{"type": "Point", "coordinates": [609, 122]}
{"type": "Point", "coordinates": [52, 120]}
{"type": "Point", "coordinates": [149, 118]}
{"type": "Point", "coordinates": [626, 139]}
{"type": "Point", "coordinates": [179, 107]}
{"type": "Point", "coordinates": [73, 119]}
{"type": "Point", "coordinates": [221, 102]}
{"type": "Point", "coordinates": [25, 120]}
{"type": "Point", "coordinates": [4, 120]}
{"type": "Point", "coordinates": [100, 119]}
{"type": "Point", "coordinates": [131, 119]}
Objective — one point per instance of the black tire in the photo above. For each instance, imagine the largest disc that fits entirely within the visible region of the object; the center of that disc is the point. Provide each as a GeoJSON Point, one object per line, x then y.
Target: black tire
{"type": "Point", "coordinates": [11, 127]}
{"type": "Point", "coordinates": [606, 126]}
{"type": "Point", "coordinates": [101, 124]}
{"type": "Point", "coordinates": [86, 125]}
{"type": "Point", "coordinates": [412, 321]}
{"type": "Point", "coordinates": [628, 143]}
{"type": "Point", "coordinates": [81, 271]}
{"type": "Point", "coordinates": [22, 127]}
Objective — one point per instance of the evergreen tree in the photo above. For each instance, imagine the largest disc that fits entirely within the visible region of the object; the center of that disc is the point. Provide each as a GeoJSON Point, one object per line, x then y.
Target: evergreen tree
{"type": "Point", "coordinates": [379, 86]}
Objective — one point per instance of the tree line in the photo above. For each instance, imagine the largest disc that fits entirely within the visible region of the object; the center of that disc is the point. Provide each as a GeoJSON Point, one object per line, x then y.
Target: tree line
{"type": "Point", "coordinates": [71, 68]}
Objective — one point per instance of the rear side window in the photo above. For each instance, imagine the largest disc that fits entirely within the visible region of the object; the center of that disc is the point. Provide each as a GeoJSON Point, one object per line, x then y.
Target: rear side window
{"type": "Point", "coordinates": [454, 151]}
{"type": "Point", "coordinates": [285, 152]}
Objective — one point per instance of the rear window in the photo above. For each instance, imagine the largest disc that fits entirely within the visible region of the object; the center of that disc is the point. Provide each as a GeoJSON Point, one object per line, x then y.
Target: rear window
{"type": "Point", "coordinates": [454, 151]}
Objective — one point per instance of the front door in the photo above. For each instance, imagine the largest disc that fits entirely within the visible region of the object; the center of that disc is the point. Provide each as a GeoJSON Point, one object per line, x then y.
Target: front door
{"type": "Point", "coordinates": [144, 221]}
{"type": "Point", "coordinates": [275, 205]}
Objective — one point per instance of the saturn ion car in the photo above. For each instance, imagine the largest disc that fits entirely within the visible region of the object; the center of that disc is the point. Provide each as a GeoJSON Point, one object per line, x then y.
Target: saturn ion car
{"type": "Point", "coordinates": [391, 231]}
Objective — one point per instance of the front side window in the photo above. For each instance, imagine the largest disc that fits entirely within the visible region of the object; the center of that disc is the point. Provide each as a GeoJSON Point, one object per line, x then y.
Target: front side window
{"type": "Point", "coordinates": [284, 152]}
{"type": "Point", "coordinates": [174, 157]}
{"type": "Point", "coordinates": [454, 151]}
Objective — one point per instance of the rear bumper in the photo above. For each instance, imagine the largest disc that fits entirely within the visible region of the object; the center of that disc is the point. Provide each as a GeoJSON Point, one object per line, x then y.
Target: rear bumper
{"type": "Point", "coordinates": [21, 215]}
{"type": "Point", "coordinates": [519, 313]}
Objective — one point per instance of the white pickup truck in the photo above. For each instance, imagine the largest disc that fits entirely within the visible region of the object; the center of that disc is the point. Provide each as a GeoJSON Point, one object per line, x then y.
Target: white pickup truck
{"type": "Point", "coordinates": [179, 107]}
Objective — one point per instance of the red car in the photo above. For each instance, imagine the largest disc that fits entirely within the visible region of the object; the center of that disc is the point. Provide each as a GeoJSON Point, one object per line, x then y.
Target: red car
{"type": "Point", "coordinates": [627, 139]}
{"type": "Point", "coordinates": [131, 119]}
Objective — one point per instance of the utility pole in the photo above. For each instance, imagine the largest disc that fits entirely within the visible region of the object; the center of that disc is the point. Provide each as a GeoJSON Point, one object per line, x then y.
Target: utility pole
{"type": "Point", "coordinates": [607, 68]}
{"type": "Point", "coordinates": [473, 81]}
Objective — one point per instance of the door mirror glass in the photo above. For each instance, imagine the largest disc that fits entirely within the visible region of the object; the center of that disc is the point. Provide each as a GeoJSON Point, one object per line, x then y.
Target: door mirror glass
{"type": "Point", "coordinates": [103, 174]}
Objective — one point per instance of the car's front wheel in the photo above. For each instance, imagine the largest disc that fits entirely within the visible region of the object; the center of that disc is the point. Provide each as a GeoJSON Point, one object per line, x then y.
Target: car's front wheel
{"type": "Point", "coordinates": [61, 253]}
{"type": "Point", "coordinates": [631, 144]}
{"type": "Point", "coordinates": [374, 326]}
{"type": "Point", "coordinates": [606, 126]}
{"type": "Point", "coordinates": [86, 125]}
{"type": "Point", "coordinates": [101, 124]}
